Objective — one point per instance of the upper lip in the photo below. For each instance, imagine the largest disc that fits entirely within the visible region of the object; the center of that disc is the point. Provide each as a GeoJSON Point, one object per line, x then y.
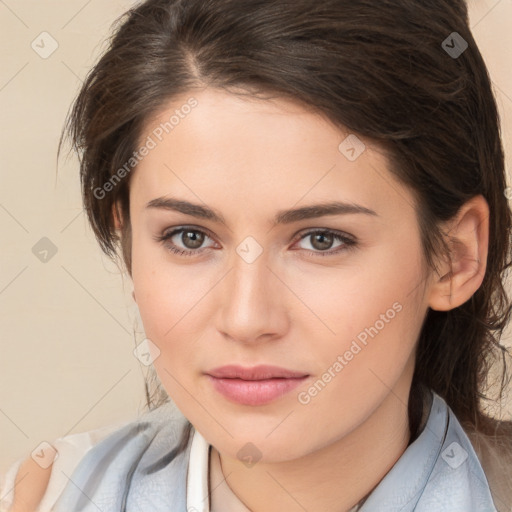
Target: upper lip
{"type": "Point", "coordinates": [259, 372]}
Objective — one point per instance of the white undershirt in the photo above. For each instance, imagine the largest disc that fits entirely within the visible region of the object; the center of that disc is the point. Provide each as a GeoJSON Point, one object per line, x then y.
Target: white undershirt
{"type": "Point", "coordinates": [204, 464]}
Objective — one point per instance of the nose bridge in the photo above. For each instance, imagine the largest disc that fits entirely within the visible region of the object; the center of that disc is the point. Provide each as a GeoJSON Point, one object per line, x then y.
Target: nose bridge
{"type": "Point", "coordinates": [250, 294]}
{"type": "Point", "coordinates": [249, 280]}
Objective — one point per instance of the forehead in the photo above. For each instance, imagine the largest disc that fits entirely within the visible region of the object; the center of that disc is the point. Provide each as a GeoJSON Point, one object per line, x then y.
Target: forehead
{"type": "Point", "coordinates": [254, 151]}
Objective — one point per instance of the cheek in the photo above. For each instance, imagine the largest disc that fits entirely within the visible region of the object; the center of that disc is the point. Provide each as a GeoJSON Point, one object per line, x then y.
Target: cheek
{"type": "Point", "coordinates": [341, 303]}
{"type": "Point", "coordinates": [366, 324]}
{"type": "Point", "coordinates": [358, 367]}
{"type": "Point", "coordinates": [163, 309]}
{"type": "Point", "coordinates": [171, 301]}
{"type": "Point", "coordinates": [161, 294]}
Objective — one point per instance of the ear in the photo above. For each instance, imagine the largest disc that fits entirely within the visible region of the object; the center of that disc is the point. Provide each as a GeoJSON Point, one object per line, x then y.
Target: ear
{"type": "Point", "coordinates": [468, 239]}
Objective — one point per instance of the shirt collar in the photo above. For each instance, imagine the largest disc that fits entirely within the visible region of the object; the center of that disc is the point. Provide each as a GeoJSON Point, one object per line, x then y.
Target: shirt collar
{"type": "Point", "coordinates": [198, 498]}
{"type": "Point", "coordinates": [403, 485]}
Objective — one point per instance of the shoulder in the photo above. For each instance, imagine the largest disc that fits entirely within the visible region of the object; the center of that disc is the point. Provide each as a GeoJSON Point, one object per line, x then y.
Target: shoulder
{"type": "Point", "coordinates": [495, 454]}
{"type": "Point", "coordinates": [469, 473]}
{"type": "Point", "coordinates": [30, 484]}
{"type": "Point", "coordinates": [34, 482]}
{"type": "Point", "coordinates": [438, 471]}
{"type": "Point", "coordinates": [146, 458]}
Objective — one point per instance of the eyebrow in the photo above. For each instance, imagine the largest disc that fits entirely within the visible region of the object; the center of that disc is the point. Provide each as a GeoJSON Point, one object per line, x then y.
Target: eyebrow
{"type": "Point", "coordinates": [282, 216]}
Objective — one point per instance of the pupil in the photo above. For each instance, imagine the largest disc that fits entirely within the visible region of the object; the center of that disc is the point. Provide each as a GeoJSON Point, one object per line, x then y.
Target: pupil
{"type": "Point", "coordinates": [194, 238]}
{"type": "Point", "coordinates": [324, 245]}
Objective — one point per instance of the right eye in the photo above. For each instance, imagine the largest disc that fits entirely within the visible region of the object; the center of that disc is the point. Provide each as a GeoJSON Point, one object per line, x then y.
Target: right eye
{"type": "Point", "coordinates": [193, 239]}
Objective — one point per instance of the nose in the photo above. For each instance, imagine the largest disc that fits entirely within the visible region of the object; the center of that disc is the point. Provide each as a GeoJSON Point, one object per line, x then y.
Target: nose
{"type": "Point", "coordinates": [252, 301]}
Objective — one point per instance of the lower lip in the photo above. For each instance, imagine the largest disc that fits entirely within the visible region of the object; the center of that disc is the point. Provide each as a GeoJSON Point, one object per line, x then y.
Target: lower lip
{"type": "Point", "coordinates": [254, 392]}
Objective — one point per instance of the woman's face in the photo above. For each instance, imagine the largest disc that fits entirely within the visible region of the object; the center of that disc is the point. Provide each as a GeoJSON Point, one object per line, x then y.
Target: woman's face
{"type": "Point", "coordinates": [254, 291]}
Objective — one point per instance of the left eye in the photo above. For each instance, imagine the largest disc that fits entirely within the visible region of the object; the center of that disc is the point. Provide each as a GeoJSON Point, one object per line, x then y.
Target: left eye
{"type": "Point", "coordinates": [321, 241]}
{"type": "Point", "coordinates": [322, 238]}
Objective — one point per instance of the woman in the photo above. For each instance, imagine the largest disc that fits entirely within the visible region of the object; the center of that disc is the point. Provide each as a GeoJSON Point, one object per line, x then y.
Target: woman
{"type": "Point", "coordinates": [310, 200]}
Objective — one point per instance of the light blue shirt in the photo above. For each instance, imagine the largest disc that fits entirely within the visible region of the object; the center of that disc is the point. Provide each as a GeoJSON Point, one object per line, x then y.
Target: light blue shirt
{"type": "Point", "coordinates": [136, 468]}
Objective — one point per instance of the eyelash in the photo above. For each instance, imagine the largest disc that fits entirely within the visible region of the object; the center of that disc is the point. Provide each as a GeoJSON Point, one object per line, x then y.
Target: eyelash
{"type": "Point", "coordinates": [349, 242]}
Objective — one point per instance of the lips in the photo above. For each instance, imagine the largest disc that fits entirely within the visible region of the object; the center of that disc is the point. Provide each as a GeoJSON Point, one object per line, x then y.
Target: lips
{"type": "Point", "coordinates": [260, 372]}
{"type": "Point", "coordinates": [254, 386]}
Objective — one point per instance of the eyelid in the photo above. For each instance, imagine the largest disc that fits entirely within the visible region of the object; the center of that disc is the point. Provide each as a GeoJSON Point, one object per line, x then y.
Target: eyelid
{"type": "Point", "coordinates": [311, 231]}
{"type": "Point", "coordinates": [186, 227]}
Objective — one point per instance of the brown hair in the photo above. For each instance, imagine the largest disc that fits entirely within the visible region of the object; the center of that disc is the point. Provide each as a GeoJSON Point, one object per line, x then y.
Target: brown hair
{"type": "Point", "coordinates": [380, 68]}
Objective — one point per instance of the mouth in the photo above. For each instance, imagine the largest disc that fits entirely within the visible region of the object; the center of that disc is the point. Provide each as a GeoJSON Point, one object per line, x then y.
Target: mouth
{"type": "Point", "coordinates": [260, 372]}
{"type": "Point", "coordinates": [254, 386]}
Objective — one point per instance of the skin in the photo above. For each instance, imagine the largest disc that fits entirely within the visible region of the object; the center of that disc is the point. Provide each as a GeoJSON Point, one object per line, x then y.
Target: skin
{"type": "Point", "coordinates": [30, 486]}
{"type": "Point", "coordinates": [249, 159]}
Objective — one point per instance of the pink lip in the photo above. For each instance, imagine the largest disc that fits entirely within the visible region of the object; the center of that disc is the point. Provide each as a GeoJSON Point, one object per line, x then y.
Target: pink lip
{"type": "Point", "coordinates": [254, 386]}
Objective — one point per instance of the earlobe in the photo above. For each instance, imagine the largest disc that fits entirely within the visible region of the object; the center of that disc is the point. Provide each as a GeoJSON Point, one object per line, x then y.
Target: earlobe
{"type": "Point", "coordinates": [468, 239]}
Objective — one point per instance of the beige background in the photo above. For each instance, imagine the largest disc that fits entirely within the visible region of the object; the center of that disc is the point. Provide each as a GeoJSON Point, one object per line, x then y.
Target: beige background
{"type": "Point", "coordinates": [66, 326]}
